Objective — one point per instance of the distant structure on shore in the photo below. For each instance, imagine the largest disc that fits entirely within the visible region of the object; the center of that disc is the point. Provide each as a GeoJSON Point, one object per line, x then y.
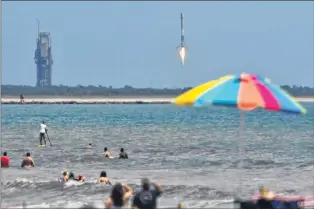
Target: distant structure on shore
{"type": "Point", "coordinates": [43, 59]}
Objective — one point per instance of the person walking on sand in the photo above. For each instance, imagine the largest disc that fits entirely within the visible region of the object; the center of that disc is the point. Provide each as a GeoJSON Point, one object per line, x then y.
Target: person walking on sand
{"type": "Point", "coordinates": [42, 133]}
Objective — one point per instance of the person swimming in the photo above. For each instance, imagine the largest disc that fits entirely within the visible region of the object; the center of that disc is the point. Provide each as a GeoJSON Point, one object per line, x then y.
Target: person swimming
{"type": "Point", "coordinates": [28, 161]}
{"type": "Point", "coordinates": [103, 178]}
{"type": "Point", "coordinates": [107, 153]}
{"type": "Point", "coordinates": [65, 176]}
{"type": "Point", "coordinates": [72, 177]}
{"type": "Point", "coordinates": [90, 145]}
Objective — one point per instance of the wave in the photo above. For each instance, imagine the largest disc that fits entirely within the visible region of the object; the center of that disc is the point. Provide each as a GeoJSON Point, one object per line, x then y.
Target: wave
{"type": "Point", "coordinates": [92, 187]}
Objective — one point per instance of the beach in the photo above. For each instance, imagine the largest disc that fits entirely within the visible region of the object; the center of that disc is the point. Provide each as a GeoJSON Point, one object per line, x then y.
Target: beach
{"type": "Point", "coordinates": [105, 100]}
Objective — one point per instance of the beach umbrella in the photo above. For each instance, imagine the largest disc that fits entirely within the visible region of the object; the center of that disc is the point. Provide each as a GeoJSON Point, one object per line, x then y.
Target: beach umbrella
{"type": "Point", "coordinates": [245, 91]}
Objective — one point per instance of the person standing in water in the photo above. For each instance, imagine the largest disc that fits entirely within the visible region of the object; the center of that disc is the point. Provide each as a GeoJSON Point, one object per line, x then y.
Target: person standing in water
{"type": "Point", "coordinates": [107, 153]}
{"type": "Point", "coordinates": [42, 134]}
{"type": "Point", "coordinates": [5, 161]}
{"type": "Point", "coordinates": [147, 198]}
{"type": "Point", "coordinates": [28, 161]}
{"type": "Point", "coordinates": [123, 154]}
{"type": "Point", "coordinates": [119, 197]}
{"type": "Point", "coordinates": [103, 178]}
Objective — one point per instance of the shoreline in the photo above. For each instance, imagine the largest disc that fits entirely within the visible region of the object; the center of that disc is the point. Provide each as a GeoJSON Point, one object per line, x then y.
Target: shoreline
{"type": "Point", "coordinates": [77, 100]}
{"type": "Point", "coordinates": [103, 100]}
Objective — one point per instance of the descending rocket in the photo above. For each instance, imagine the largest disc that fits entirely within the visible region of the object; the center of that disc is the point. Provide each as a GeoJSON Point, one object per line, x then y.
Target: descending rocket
{"type": "Point", "coordinates": [181, 47]}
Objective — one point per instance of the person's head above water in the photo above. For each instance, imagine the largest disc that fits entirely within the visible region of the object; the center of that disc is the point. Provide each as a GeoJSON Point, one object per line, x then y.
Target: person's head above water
{"type": "Point", "coordinates": [117, 194]}
{"type": "Point", "coordinates": [89, 144]}
{"type": "Point", "coordinates": [64, 173]}
{"type": "Point", "coordinates": [43, 122]}
{"type": "Point", "coordinates": [4, 153]}
{"type": "Point", "coordinates": [103, 174]}
{"type": "Point", "coordinates": [105, 149]}
{"type": "Point", "coordinates": [28, 154]}
{"type": "Point", "coordinates": [71, 175]}
{"type": "Point", "coordinates": [121, 150]}
{"type": "Point", "coordinates": [145, 184]}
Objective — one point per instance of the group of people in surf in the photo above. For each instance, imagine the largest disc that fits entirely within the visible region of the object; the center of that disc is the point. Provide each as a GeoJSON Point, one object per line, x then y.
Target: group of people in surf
{"type": "Point", "coordinates": [69, 176]}
{"type": "Point", "coordinates": [42, 138]}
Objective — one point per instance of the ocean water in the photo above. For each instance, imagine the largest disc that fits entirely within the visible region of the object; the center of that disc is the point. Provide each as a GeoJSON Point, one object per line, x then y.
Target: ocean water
{"type": "Point", "coordinates": [200, 156]}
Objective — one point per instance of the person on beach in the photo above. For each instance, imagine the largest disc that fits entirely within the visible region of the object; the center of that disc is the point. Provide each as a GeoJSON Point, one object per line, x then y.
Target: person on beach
{"type": "Point", "coordinates": [5, 160]}
{"type": "Point", "coordinates": [103, 178]}
{"type": "Point", "coordinates": [42, 133]}
{"type": "Point", "coordinates": [28, 161]}
{"type": "Point", "coordinates": [107, 153]}
{"type": "Point", "coordinates": [147, 197]}
{"type": "Point", "coordinates": [119, 197]}
{"type": "Point", "coordinates": [123, 154]}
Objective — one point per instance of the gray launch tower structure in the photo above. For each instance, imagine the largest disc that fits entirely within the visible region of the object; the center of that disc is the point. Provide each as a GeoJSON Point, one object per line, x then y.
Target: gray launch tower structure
{"type": "Point", "coordinates": [43, 59]}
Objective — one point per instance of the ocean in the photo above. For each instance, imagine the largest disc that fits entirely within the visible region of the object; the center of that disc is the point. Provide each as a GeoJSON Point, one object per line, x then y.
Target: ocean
{"type": "Point", "coordinates": [200, 156]}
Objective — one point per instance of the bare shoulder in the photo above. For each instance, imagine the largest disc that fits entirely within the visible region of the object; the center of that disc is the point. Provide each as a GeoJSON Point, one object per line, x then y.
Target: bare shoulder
{"type": "Point", "coordinates": [108, 201]}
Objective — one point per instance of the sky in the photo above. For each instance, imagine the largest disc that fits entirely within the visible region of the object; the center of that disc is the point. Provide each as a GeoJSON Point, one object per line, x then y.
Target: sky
{"type": "Point", "coordinates": [134, 43]}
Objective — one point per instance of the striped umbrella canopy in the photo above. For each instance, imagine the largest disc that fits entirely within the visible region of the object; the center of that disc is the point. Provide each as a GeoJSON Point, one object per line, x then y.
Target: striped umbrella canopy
{"type": "Point", "coordinates": [245, 91]}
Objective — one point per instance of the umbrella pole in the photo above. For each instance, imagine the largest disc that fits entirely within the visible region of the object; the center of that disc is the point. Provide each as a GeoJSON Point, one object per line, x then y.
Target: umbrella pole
{"type": "Point", "coordinates": [240, 134]}
{"type": "Point", "coordinates": [241, 125]}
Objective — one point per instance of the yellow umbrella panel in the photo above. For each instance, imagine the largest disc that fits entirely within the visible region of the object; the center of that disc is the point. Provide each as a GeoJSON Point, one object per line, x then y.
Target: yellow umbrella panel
{"type": "Point", "coordinates": [188, 98]}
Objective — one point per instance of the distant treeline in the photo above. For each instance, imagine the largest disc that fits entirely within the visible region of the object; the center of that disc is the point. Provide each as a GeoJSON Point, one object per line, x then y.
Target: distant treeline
{"type": "Point", "coordinates": [61, 90]}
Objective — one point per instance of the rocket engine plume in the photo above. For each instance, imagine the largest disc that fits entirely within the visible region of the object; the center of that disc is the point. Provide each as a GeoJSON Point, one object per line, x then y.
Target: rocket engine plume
{"type": "Point", "coordinates": [181, 47]}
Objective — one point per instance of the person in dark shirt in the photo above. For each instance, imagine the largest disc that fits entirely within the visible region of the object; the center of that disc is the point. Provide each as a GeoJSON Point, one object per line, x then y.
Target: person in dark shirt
{"type": "Point", "coordinates": [123, 155]}
{"type": "Point", "coordinates": [147, 197]}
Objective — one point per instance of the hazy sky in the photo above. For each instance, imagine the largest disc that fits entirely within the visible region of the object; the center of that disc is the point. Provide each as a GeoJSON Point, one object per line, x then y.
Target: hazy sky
{"type": "Point", "coordinates": [134, 43]}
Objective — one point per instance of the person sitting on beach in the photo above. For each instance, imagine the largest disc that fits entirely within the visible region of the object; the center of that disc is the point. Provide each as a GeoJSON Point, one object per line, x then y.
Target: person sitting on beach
{"type": "Point", "coordinates": [107, 153]}
{"type": "Point", "coordinates": [103, 178]}
{"type": "Point", "coordinates": [123, 154]}
{"type": "Point", "coordinates": [5, 160]}
{"type": "Point", "coordinates": [28, 161]}
{"type": "Point", "coordinates": [119, 197]}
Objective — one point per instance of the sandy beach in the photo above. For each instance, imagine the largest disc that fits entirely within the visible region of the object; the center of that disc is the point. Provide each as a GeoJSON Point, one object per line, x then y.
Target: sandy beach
{"type": "Point", "coordinates": [91, 100]}
{"type": "Point", "coordinates": [104, 100]}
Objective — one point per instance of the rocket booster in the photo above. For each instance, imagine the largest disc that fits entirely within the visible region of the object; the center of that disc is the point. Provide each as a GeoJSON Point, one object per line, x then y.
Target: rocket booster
{"type": "Point", "coordinates": [181, 47]}
{"type": "Point", "coordinates": [182, 31]}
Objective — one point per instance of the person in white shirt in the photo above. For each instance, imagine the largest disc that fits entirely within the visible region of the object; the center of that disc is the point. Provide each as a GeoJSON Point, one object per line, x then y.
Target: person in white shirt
{"type": "Point", "coordinates": [42, 134]}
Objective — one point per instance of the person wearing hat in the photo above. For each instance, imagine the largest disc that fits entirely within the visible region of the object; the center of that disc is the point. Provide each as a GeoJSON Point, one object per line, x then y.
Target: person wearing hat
{"type": "Point", "coordinates": [147, 197]}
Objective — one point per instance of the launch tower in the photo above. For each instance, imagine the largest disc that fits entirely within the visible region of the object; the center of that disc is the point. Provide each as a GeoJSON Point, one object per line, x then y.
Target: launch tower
{"type": "Point", "coordinates": [43, 59]}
